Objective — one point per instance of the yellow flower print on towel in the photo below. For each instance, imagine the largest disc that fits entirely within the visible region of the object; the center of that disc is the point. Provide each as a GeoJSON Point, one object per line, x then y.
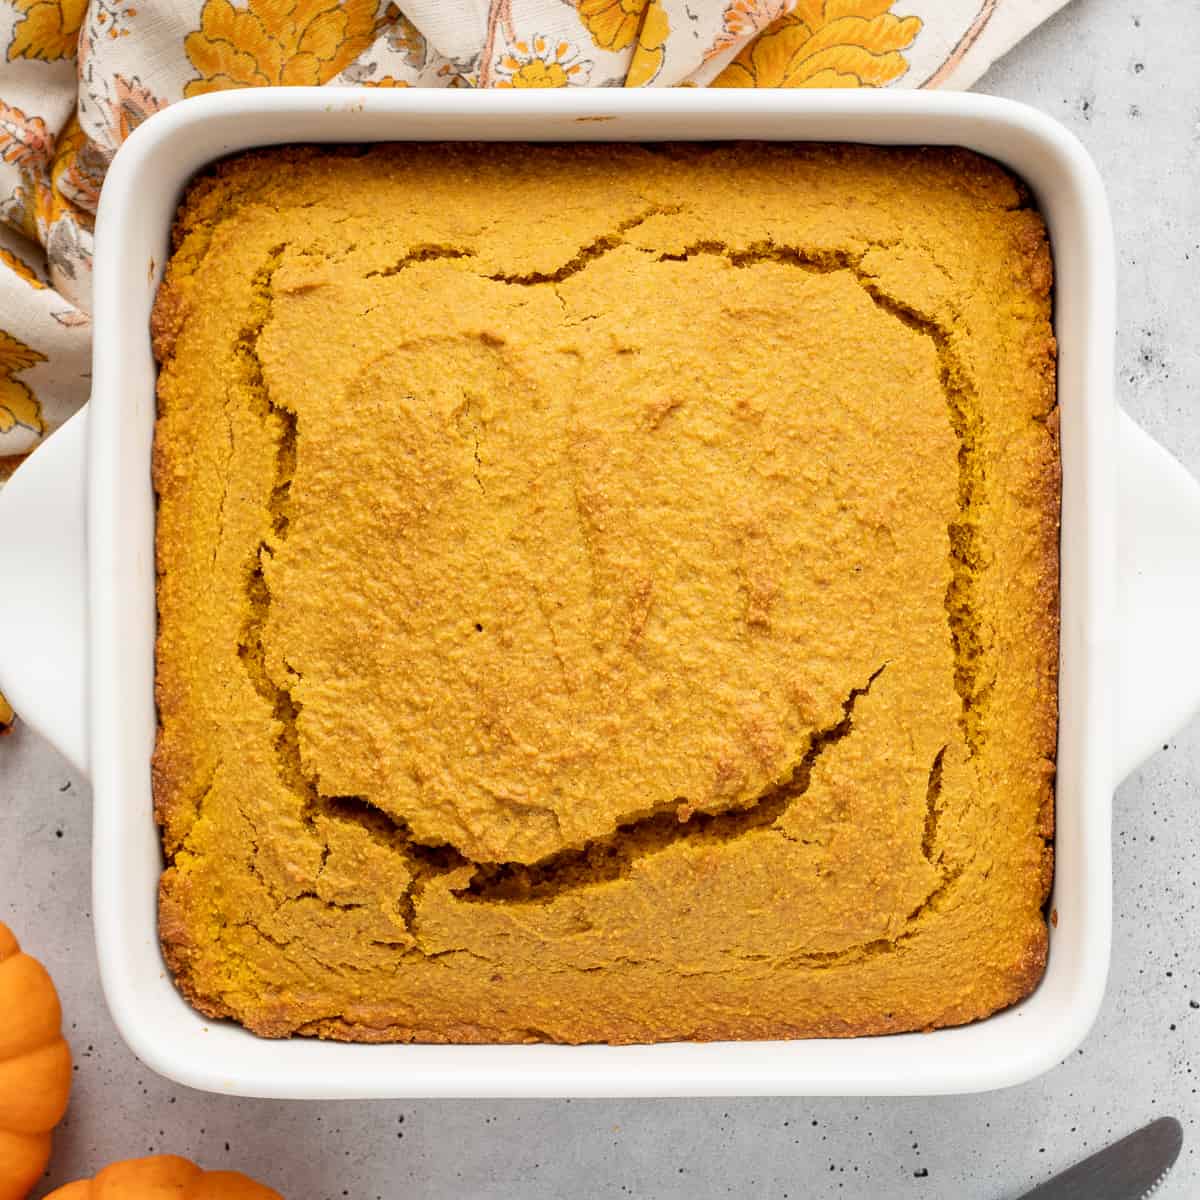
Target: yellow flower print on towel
{"type": "Point", "coordinates": [826, 43]}
{"type": "Point", "coordinates": [20, 267]}
{"type": "Point", "coordinates": [18, 405]}
{"type": "Point", "coordinates": [651, 47]}
{"type": "Point", "coordinates": [613, 24]}
{"type": "Point", "coordinates": [48, 30]}
{"type": "Point", "coordinates": [541, 62]}
{"type": "Point", "coordinates": [277, 42]}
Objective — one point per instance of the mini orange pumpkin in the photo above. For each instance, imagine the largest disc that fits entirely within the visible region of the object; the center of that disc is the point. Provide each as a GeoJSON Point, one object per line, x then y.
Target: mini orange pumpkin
{"type": "Point", "coordinates": [164, 1177]}
{"type": "Point", "coordinates": [35, 1067]}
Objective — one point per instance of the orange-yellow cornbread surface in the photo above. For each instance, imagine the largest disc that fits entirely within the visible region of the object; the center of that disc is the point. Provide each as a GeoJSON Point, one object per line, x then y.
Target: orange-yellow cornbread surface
{"type": "Point", "coordinates": [606, 593]}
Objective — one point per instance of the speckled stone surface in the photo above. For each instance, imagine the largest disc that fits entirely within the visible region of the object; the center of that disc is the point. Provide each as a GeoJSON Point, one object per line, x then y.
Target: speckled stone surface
{"type": "Point", "coordinates": [1122, 76]}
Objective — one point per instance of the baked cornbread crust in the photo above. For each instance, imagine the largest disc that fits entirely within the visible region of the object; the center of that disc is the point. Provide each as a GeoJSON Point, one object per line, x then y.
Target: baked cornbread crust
{"type": "Point", "coordinates": [606, 593]}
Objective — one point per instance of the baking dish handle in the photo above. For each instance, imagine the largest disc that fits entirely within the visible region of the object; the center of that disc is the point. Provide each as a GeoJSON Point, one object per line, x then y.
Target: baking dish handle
{"type": "Point", "coordinates": [43, 568]}
{"type": "Point", "coordinates": [1158, 595]}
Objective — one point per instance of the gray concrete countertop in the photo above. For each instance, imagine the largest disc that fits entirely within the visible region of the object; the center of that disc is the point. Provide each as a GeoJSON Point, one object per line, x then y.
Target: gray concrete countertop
{"type": "Point", "coordinates": [1123, 76]}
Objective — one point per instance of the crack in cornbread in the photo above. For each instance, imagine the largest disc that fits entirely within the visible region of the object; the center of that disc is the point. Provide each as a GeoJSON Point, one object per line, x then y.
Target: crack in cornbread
{"type": "Point", "coordinates": [966, 554]}
{"type": "Point", "coordinates": [606, 595]}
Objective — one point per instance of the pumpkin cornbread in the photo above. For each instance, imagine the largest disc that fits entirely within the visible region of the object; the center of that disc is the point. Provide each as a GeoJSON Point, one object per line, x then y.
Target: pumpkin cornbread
{"type": "Point", "coordinates": [606, 593]}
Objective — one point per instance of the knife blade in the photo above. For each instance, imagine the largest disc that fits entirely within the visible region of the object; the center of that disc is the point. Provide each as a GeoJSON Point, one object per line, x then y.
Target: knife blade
{"type": "Point", "coordinates": [1127, 1170]}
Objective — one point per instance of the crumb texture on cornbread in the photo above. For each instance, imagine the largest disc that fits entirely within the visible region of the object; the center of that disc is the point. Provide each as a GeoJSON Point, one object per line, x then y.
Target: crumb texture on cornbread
{"type": "Point", "coordinates": [606, 593]}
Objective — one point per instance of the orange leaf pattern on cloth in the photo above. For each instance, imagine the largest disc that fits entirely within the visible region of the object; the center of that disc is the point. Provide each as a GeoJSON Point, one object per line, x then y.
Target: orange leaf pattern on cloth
{"type": "Point", "coordinates": [297, 42]}
{"type": "Point", "coordinates": [24, 141]}
{"type": "Point", "coordinates": [130, 104]}
{"type": "Point", "coordinates": [650, 49]}
{"type": "Point", "coordinates": [826, 43]}
{"type": "Point", "coordinates": [78, 171]}
{"type": "Point", "coordinates": [18, 405]}
{"type": "Point", "coordinates": [21, 268]}
{"type": "Point", "coordinates": [404, 38]}
{"type": "Point", "coordinates": [743, 19]}
{"type": "Point", "coordinates": [49, 29]}
{"type": "Point", "coordinates": [64, 167]}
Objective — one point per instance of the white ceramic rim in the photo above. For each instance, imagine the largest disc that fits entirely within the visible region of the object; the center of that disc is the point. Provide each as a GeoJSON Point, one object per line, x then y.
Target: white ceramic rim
{"type": "Point", "coordinates": [138, 200]}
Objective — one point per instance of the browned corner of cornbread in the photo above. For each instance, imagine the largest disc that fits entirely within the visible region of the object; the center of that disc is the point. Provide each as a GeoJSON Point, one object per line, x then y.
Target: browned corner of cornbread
{"type": "Point", "coordinates": [606, 593]}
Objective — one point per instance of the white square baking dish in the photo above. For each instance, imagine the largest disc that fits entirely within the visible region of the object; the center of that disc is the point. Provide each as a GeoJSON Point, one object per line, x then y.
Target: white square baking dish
{"type": "Point", "coordinates": [73, 608]}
